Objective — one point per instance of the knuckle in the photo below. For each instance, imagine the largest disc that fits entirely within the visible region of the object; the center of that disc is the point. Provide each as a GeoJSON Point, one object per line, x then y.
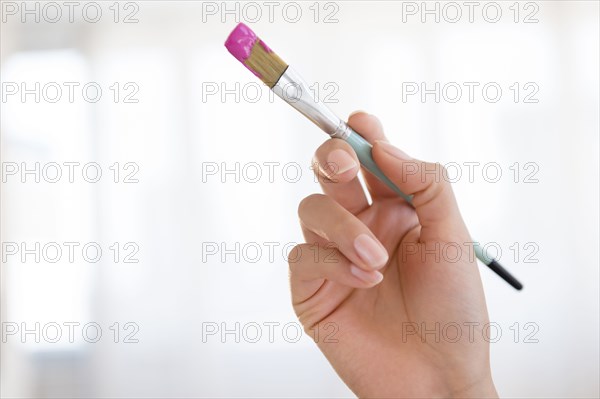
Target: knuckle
{"type": "Point", "coordinates": [442, 171]}
{"type": "Point", "coordinates": [309, 203]}
{"type": "Point", "coordinates": [436, 183]}
{"type": "Point", "coordinates": [434, 173]}
{"type": "Point", "coordinates": [295, 256]}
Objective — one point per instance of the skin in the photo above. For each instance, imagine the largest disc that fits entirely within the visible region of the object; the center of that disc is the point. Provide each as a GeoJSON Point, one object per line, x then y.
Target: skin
{"type": "Point", "coordinates": [372, 328]}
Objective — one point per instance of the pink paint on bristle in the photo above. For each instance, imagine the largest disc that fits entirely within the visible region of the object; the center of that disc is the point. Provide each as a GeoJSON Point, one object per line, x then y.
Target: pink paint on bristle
{"type": "Point", "coordinates": [240, 43]}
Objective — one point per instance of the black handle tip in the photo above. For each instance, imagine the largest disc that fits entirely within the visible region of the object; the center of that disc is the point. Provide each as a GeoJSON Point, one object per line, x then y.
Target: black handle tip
{"type": "Point", "coordinates": [506, 276]}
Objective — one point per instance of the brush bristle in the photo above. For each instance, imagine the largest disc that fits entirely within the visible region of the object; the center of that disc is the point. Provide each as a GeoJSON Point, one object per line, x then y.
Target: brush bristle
{"type": "Point", "coordinates": [244, 45]}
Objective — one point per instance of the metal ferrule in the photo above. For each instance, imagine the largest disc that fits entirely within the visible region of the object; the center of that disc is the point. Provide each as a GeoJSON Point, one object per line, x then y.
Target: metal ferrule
{"type": "Point", "coordinates": [292, 89]}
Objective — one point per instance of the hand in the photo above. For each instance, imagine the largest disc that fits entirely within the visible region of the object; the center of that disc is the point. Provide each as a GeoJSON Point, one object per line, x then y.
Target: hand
{"type": "Point", "coordinates": [399, 286]}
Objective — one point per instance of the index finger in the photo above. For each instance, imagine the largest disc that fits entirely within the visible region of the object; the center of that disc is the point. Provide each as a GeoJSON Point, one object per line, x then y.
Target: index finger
{"type": "Point", "coordinates": [371, 129]}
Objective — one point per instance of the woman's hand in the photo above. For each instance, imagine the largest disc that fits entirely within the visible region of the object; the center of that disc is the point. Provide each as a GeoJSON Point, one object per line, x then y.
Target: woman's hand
{"type": "Point", "coordinates": [390, 293]}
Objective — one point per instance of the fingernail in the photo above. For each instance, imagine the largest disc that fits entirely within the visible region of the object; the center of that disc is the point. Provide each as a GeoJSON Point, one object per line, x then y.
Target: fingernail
{"type": "Point", "coordinates": [370, 251]}
{"type": "Point", "coordinates": [372, 277]}
{"type": "Point", "coordinates": [339, 161]}
{"type": "Point", "coordinates": [393, 151]}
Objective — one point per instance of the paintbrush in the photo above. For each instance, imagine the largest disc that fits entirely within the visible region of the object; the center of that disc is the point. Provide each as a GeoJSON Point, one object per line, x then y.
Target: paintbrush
{"type": "Point", "coordinates": [286, 83]}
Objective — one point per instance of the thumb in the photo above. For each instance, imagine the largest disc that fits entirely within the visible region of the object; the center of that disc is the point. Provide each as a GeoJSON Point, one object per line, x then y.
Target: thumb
{"type": "Point", "coordinates": [428, 183]}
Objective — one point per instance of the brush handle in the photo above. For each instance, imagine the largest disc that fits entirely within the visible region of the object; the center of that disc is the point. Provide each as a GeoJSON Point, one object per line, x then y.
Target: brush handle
{"type": "Point", "coordinates": [364, 149]}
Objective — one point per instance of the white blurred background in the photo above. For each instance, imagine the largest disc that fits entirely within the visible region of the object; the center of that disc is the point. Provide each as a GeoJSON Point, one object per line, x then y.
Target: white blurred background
{"type": "Point", "coordinates": [192, 265]}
